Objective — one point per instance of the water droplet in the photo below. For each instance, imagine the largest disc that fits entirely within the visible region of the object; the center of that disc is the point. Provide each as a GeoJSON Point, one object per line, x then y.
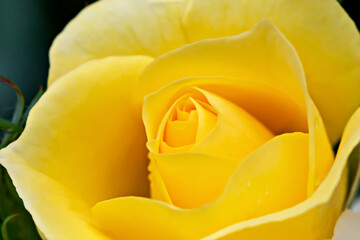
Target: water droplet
{"type": "Point", "coordinates": [248, 183]}
{"type": "Point", "coordinates": [259, 200]}
{"type": "Point", "coordinates": [316, 122]}
{"type": "Point", "coordinates": [267, 191]}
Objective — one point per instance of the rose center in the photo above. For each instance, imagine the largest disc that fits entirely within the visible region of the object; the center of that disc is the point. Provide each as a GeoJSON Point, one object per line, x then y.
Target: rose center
{"type": "Point", "coordinates": [189, 121]}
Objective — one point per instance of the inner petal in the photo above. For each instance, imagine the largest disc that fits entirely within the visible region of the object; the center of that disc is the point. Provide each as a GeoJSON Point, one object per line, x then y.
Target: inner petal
{"type": "Point", "coordinates": [211, 136]}
{"type": "Point", "coordinates": [207, 118]}
{"type": "Point", "coordinates": [188, 121]}
{"type": "Point", "coordinates": [179, 133]}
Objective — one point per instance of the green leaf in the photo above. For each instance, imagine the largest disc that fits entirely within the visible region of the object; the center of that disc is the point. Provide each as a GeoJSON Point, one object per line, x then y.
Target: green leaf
{"type": "Point", "coordinates": [8, 126]}
{"type": "Point", "coordinates": [19, 109]}
{"type": "Point", "coordinates": [22, 227]}
{"type": "Point", "coordinates": [4, 231]}
{"type": "Point", "coordinates": [20, 103]}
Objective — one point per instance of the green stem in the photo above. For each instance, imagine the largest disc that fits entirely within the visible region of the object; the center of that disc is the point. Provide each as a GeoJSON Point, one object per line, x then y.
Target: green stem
{"type": "Point", "coordinates": [19, 109]}
{"type": "Point", "coordinates": [4, 231]}
{"type": "Point", "coordinates": [7, 125]}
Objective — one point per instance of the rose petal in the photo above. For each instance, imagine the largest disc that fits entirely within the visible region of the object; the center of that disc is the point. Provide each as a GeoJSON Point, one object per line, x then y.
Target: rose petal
{"type": "Point", "coordinates": [117, 28]}
{"type": "Point", "coordinates": [256, 188]}
{"type": "Point", "coordinates": [191, 179]}
{"type": "Point", "coordinates": [237, 133]}
{"type": "Point", "coordinates": [82, 143]}
{"type": "Point", "coordinates": [58, 212]}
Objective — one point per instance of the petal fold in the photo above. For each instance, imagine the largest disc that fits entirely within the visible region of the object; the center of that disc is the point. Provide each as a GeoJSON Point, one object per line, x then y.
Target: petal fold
{"type": "Point", "coordinates": [192, 179]}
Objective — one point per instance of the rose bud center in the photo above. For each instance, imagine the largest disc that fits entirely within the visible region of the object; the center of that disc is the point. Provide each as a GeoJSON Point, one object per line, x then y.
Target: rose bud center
{"type": "Point", "coordinates": [201, 140]}
{"type": "Point", "coordinates": [190, 121]}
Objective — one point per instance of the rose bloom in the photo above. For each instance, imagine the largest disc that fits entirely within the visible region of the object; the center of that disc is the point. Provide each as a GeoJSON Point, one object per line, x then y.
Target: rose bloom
{"type": "Point", "coordinates": [199, 119]}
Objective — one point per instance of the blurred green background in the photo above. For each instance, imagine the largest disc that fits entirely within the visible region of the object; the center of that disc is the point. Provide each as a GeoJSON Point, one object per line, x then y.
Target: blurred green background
{"type": "Point", "coordinates": [27, 29]}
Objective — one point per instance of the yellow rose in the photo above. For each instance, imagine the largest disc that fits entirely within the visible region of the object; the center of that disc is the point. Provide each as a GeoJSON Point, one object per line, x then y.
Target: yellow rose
{"type": "Point", "coordinates": [238, 146]}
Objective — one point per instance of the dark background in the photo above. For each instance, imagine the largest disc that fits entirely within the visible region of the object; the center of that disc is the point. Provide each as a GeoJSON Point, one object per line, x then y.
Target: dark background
{"type": "Point", "coordinates": [27, 29]}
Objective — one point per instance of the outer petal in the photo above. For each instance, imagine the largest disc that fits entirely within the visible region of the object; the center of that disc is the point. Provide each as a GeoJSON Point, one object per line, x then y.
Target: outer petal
{"type": "Point", "coordinates": [325, 37]}
{"type": "Point", "coordinates": [82, 144]}
{"type": "Point", "coordinates": [57, 211]}
{"type": "Point", "coordinates": [117, 28]}
{"type": "Point", "coordinates": [191, 179]}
